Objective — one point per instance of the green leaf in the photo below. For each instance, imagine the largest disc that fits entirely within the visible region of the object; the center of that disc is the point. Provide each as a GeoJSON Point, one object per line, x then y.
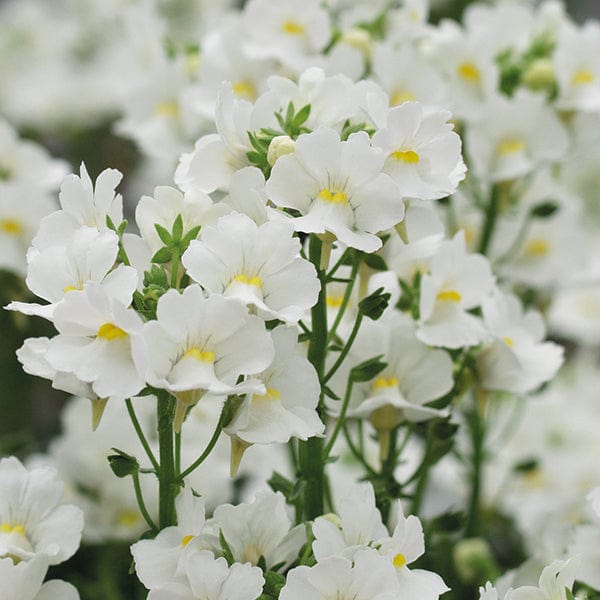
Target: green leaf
{"type": "Point", "coordinates": [368, 369]}
{"type": "Point", "coordinates": [163, 234]}
{"type": "Point", "coordinates": [164, 255]}
{"type": "Point", "coordinates": [122, 464]}
{"type": "Point", "coordinates": [330, 393]}
{"type": "Point", "coordinates": [289, 113]}
{"type": "Point", "coordinates": [177, 229]}
{"type": "Point", "coordinates": [301, 116]}
{"type": "Point", "coordinates": [192, 234]}
{"type": "Point", "coordinates": [544, 210]}
{"type": "Point", "coordinates": [376, 262]}
{"type": "Point", "coordinates": [225, 549]}
{"type": "Point", "coordinates": [374, 304]}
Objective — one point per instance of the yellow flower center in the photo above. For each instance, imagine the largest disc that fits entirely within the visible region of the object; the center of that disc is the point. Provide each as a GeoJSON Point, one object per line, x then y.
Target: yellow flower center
{"type": "Point", "coordinates": [8, 528]}
{"type": "Point", "coordinates": [200, 355]}
{"type": "Point", "coordinates": [400, 96]}
{"type": "Point", "coordinates": [292, 27]}
{"type": "Point", "coordinates": [334, 301]}
{"type": "Point", "coordinates": [242, 278]}
{"type": "Point", "coordinates": [511, 146]}
{"type": "Point", "coordinates": [469, 72]}
{"type": "Point", "coordinates": [186, 540]}
{"type": "Point", "coordinates": [128, 518]}
{"type": "Point", "coordinates": [385, 382]}
{"type": "Point", "coordinates": [11, 226]}
{"type": "Point", "coordinates": [169, 108]}
{"type": "Point", "coordinates": [449, 296]}
{"type": "Point", "coordinates": [399, 560]}
{"type": "Point", "coordinates": [244, 89]}
{"type": "Point", "coordinates": [110, 332]}
{"type": "Point", "coordinates": [537, 247]}
{"type": "Point", "coordinates": [407, 156]}
{"type": "Point", "coordinates": [72, 288]}
{"type": "Point", "coordinates": [271, 395]}
{"type": "Point", "coordinates": [334, 197]}
{"type": "Point", "coordinates": [508, 341]}
{"type": "Point", "coordinates": [583, 77]}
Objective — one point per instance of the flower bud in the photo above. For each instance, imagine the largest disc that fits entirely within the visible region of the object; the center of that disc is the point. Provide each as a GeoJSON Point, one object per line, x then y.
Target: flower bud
{"type": "Point", "coordinates": [279, 146]}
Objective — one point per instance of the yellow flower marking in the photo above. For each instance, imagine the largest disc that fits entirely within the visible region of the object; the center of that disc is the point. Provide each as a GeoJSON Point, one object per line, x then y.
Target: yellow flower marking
{"type": "Point", "coordinates": [110, 332]}
{"type": "Point", "coordinates": [583, 77]}
{"type": "Point", "coordinates": [511, 146]}
{"type": "Point", "coordinates": [244, 89]}
{"type": "Point", "coordinates": [334, 197]}
{"type": "Point", "coordinates": [449, 296]}
{"type": "Point", "coordinates": [271, 395]}
{"type": "Point", "coordinates": [8, 528]}
{"type": "Point", "coordinates": [128, 518]}
{"type": "Point", "coordinates": [469, 72]}
{"type": "Point", "coordinates": [200, 355]}
{"type": "Point", "coordinates": [334, 301]}
{"type": "Point", "coordinates": [169, 108]}
{"type": "Point", "coordinates": [508, 341]}
{"type": "Point", "coordinates": [400, 96]}
{"type": "Point", "coordinates": [292, 27]}
{"type": "Point", "coordinates": [186, 540]}
{"type": "Point", "coordinates": [11, 226]}
{"type": "Point", "coordinates": [255, 281]}
{"type": "Point", "coordinates": [72, 288]}
{"type": "Point", "coordinates": [407, 156]}
{"type": "Point", "coordinates": [385, 382]}
{"type": "Point", "coordinates": [537, 247]}
{"type": "Point", "coordinates": [399, 560]}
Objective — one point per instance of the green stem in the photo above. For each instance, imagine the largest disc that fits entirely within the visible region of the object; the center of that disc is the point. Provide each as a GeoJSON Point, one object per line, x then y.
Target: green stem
{"type": "Point", "coordinates": [387, 475]}
{"type": "Point", "coordinates": [209, 448]}
{"type": "Point", "coordinates": [346, 298]}
{"type": "Point", "coordinates": [311, 469]}
{"type": "Point", "coordinates": [518, 241]}
{"type": "Point", "coordinates": [167, 475]}
{"type": "Point", "coordinates": [489, 224]}
{"type": "Point", "coordinates": [357, 453]}
{"type": "Point", "coordinates": [338, 264]}
{"type": "Point", "coordinates": [477, 433]}
{"type": "Point", "coordinates": [175, 270]}
{"type": "Point", "coordinates": [340, 359]}
{"type": "Point", "coordinates": [140, 434]}
{"type": "Point", "coordinates": [340, 421]}
{"type": "Point", "coordinates": [140, 500]}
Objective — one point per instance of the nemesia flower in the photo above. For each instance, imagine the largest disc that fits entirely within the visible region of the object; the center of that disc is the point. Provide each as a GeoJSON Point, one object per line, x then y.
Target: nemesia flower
{"type": "Point", "coordinates": [457, 282]}
{"type": "Point", "coordinates": [422, 152]}
{"type": "Point", "coordinates": [338, 187]}
{"type": "Point", "coordinates": [34, 523]}
{"type": "Point", "coordinates": [517, 360]}
{"type": "Point", "coordinates": [199, 345]}
{"type": "Point", "coordinates": [258, 265]}
{"type": "Point", "coordinates": [288, 408]}
{"type": "Point", "coordinates": [554, 582]}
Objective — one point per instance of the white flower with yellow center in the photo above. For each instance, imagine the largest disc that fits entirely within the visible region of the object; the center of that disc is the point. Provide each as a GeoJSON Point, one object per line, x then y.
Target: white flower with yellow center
{"type": "Point", "coordinates": [199, 345]}
{"type": "Point", "coordinates": [457, 283]}
{"type": "Point", "coordinates": [94, 344]}
{"type": "Point", "coordinates": [368, 577]}
{"type": "Point", "coordinates": [288, 408]}
{"type": "Point", "coordinates": [514, 136]}
{"type": "Point", "coordinates": [82, 204]}
{"type": "Point", "coordinates": [288, 30]}
{"type": "Point", "coordinates": [423, 154]}
{"type": "Point", "coordinates": [210, 578]}
{"type": "Point", "coordinates": [33, 522]}
{"type": "Point", "coordinates": [517, 360]}
{"type": "Point", "coordinates": [260, 528]}
{"type": "Point", "coordinates": [158, 561]}
{"type": "Point", "coordinates": [258, 265]}
{"type": "Point", "coordinates": [578, 67]}
{"type": "Point", "coordinates": [337, 187]}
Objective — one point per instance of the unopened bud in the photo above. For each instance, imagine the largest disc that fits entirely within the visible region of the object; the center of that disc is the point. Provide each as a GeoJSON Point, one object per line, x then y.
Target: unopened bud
{"type": "Point", "coordinates": [279, 146]}
{"type": "Point", "coordinates": [358, 38]}
{"type": "Point", "coordinates": [540, 74]}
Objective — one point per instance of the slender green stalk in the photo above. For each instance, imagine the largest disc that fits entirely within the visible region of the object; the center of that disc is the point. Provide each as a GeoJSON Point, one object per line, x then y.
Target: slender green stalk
{"type": "Point", "coordinates": [209, 448]}
{"type": "Point", "coordinates": [175, 270]}
{"type": "Point", "coordinates": [346, 298]}
{"type": "Point", "coordinates": [140, 434]}
{"type": "Point", "coordinates": [340, 359]}
{"type": "Point", "coordinates": [338, 264]}
{"type": "Point", "coordinates": [167, 475]}
{"type": "Point", "coordinates": [476, 426]}
{"type": "Point", "coordinates": [140, 500]}
{"type": "Point", "coordinates": [357, 453]}
{"type": "Point", "coordinates": [340, 421]}
{"type": "Point", "coordinates": [489, 223]}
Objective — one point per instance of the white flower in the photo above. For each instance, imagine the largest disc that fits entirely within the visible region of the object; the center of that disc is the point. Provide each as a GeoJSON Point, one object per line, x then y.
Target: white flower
{"type": "Point", "coordinates": [260, 528]}
{"type": "Point", "coordinates": [257, 265]}
{"type": "Point", "coordinates": [33, 522]}
{"type": "Point", "coordinates": [210, 578]}
{"type": "Point", "coordinates": [457, 282]}
{"type": "Point", "coordinates": [517, 360]}
{"type": "Point", "coordinates": [288, 408]}
{"type": "Point", "coordinates": [554, 582]}
{"type": "Point", "coordinates": [337, 187]}
{"type": "Point", "coordinates": [199, 345]}
{"type": "Point", "coordinates": [423, 153]}
{"type": "Point", "coordinates": [96, 328]}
